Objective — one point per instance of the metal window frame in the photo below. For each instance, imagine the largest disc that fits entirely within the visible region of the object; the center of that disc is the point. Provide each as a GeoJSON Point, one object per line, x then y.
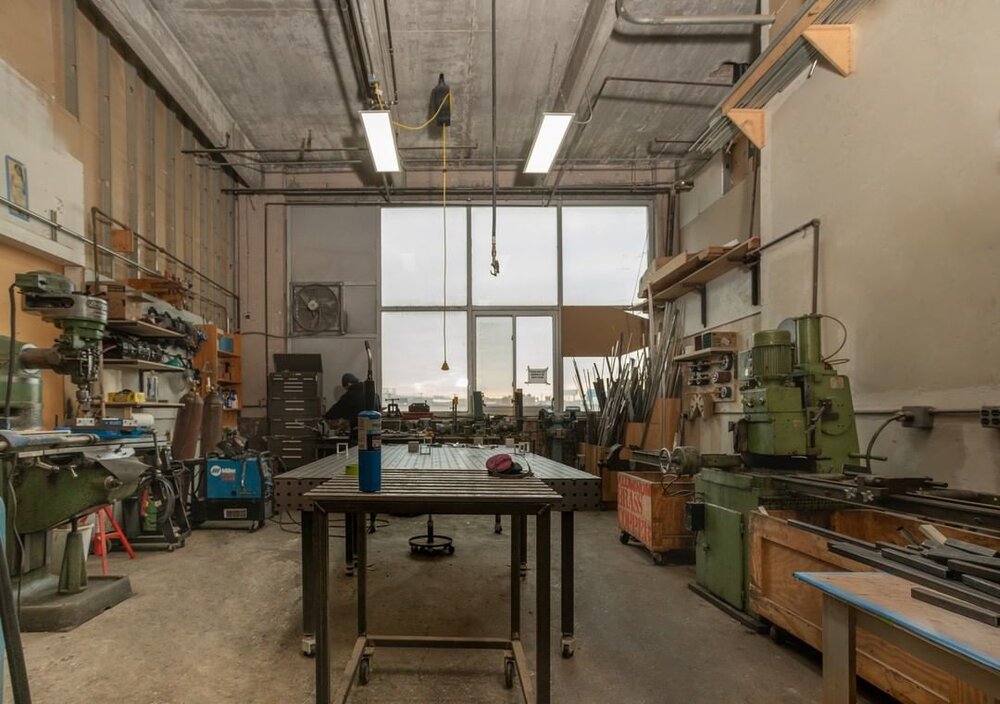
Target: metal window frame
{"type": "Point", "coordinates": [474, 311]}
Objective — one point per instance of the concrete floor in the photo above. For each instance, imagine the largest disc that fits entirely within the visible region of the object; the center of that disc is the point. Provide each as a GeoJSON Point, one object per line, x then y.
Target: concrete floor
{"type": "Point", "coordinates": [218, 622]}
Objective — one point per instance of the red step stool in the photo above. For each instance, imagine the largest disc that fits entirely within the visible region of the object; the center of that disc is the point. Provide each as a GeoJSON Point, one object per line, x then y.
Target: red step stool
{"type": "Point", "coordinates": [104, 537]}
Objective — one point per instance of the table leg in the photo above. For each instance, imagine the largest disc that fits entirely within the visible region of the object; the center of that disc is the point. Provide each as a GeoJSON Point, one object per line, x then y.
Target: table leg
{"type": "Point", "coordinates": [524, 543]}
{"type": "Point", "coordinates": [566, 573]}
{"type": "Point", "coordinates": [515, 577]}
{"type": "Point", "coordinates": [362, 537]}
{"type": "Point", "coordinates": [839, 652]}
{"type": "Point", "coordinates": [308, 584]}
{"type": "Point", "coordinates": [321, 613]}
{"type": "Point", "coordinates": [350, 543]}
{"type": "Point", "coordinates": [543, 595]}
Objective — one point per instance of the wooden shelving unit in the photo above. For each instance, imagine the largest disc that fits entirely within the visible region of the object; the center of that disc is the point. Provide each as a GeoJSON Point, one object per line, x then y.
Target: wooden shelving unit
{"type": "Point", "coordinates": [142, 365]}
{"type": "Point", "coordinates": [140, 328]}
{"type": "Point", "coordinates": [148, 404]}
{"type": "Point", "coordinates": [702, 354]}
{"type": "Point", "coordinates": [219, 363]}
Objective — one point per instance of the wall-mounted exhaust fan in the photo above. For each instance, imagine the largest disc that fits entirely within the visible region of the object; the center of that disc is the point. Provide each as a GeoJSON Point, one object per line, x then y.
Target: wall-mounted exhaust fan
{"type": "Point", "coordinates": [317, 308]}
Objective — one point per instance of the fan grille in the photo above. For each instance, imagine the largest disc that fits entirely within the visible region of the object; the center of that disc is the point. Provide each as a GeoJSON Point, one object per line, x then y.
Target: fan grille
{"type": "Point", "coordinates": [317, 308]}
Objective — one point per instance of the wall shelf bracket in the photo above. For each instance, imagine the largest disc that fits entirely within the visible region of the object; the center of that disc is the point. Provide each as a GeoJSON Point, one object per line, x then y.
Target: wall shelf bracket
{"type": "Point", "coordinates": [751, 124]}
{"type": "Point", "coordinates": [835, 43]}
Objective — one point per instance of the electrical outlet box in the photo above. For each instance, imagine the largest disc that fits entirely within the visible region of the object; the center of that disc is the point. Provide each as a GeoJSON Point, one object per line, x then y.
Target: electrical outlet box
{"type": "Point", "coordinates": [918, 417]}
{"type": "Point", "coordinates": [989, 416]}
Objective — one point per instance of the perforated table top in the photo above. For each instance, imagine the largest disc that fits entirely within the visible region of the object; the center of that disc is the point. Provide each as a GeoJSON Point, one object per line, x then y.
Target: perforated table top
{"type": "Point", "coordinates": [579, 491]}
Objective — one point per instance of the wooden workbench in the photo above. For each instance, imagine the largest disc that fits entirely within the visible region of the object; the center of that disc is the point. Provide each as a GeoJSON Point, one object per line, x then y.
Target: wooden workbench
{"type": "Point", "coordinates": [881, 604]}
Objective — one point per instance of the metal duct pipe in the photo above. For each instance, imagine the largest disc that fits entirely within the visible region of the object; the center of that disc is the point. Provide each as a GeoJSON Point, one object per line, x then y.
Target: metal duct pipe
{"type": "Point", "coordinates": [682, 20]}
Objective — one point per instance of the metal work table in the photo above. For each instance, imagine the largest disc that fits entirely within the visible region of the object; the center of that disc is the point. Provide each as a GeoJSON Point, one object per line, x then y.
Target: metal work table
{"type": "Point", "coordinates": [440, 491]}
{"type": "Point", "coordinates": [579, 491]}
{"type": "Point", "coordinates": [881, 604]}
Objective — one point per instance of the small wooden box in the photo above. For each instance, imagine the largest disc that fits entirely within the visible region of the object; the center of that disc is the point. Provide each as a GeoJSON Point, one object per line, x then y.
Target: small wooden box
{"type": "Point", "coordinates": [122, 241]}
{"type": "Point", "coordinates": [651, 511]}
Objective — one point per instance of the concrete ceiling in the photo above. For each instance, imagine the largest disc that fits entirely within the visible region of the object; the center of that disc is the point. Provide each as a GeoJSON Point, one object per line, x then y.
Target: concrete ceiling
{"type": "Point", "coordinates": [282, 67]}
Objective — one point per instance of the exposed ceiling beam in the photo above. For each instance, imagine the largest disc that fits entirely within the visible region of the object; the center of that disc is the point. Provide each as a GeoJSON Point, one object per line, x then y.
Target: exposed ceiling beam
{"type": "Point", "coordinates": [142, 28]}
{"type": "Point", "coordinates": [595, 32]}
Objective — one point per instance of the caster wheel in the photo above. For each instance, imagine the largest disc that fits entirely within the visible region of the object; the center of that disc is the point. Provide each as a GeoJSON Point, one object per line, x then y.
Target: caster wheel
{"type": "Point", "coordinates": [180, 544]}
{"type": "Point", "coordinates": [779, 636]}
{"type": "Point", "coordinates": [567, 650]}
{"type": "Point", "coordinates": [413, 549]}
{"type": "Point", "coordinates": [171, 547]}
{"type": "Point", "coordinates": [498, 530]}
{"type": "Point", "coordinates": [624, 537]}
{"type": "Point", "coordinates": [451, 549]}
{"type": "Point", "coordinates": [253, 527]}
{"type": "Point", "coordinates": [659, 558]}
{"type": "Point", "coordinates": [364, 671]}
{"type": "Point", "coordinates": [508, 674]}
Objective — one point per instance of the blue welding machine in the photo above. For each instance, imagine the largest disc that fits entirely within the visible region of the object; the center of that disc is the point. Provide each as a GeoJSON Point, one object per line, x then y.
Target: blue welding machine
{"type": "Point", "coordinates": [237, 489]}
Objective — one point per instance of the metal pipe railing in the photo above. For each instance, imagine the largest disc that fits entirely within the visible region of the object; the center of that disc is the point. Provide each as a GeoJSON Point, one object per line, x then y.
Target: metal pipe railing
{"type": "Point", "coordinates": [101, 249]}
{"type": "Point", "coordinates": [681, 20]}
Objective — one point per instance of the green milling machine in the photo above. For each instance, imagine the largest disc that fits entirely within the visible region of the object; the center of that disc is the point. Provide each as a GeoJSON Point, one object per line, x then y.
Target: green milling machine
{"type": "Point", "coordinates": [51, 476]}
{"type": "Point", "coordinates": [797, 417]}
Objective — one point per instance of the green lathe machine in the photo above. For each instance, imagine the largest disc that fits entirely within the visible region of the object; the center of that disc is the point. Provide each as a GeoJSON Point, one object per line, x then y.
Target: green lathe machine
{"type": "Point", "coordinates": [48, 477]}
{"type": "Point", "coordinates": [797, 418]}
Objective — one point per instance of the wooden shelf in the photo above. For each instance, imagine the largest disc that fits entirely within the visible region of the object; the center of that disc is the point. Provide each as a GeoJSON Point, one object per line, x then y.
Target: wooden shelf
{"type": "Point", "coordinates": [733, 259]}
{"type": "Point", "coordinates": [140, 328]}
{"type": "Point", "coordinates": [147, 404]}
{"type": "Point", "coordinates": [219, 368]}
{"type": "Point", "coordinates": [143, 366]}
{"type": "Point", "coordinates": [700, 354]}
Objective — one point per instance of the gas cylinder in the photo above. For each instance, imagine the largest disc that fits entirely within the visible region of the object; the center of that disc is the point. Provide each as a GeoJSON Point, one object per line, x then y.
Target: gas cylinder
{"type": "Point", "coordinates": [370, 451]}
{"type": "Point", "coordinates": [187, 427]}
{"type": "Point", "coordinates": [211, 422]}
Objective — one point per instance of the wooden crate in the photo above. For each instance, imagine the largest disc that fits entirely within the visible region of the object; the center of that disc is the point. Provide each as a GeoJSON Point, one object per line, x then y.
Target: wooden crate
{"type": "Point", "coordinates": [651, 511]}
{"type": "Point", "coordinates": [777, 550]}
{"type": "Point", "coordinates": [662, 427]}
{"type": "Point", "coordinates": [593, 457]}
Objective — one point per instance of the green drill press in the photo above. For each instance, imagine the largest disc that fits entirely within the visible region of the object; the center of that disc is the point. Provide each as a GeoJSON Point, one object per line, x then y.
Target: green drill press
{"type": "Point", "coordinates": [46, 477]}
{"type": "Point", "coordinates": [797, 417]}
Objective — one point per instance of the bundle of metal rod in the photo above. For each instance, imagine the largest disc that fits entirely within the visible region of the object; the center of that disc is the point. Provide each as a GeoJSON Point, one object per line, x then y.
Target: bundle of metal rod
{"type": "Point", "coordinates": [630, 383]}
{"type": "Point", "coordinates": [965, 576]}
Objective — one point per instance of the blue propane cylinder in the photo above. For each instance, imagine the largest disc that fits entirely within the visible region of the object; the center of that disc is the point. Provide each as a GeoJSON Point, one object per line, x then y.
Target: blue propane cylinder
{"type": "Point", "coordinates": [370, 451]}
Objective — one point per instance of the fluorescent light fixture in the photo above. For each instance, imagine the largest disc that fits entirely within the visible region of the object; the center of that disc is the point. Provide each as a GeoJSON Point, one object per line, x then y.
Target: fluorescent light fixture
{"type": "Point", "coordinates": [550, 137]}
{"type": "Point", "coordinates": [381, 141]}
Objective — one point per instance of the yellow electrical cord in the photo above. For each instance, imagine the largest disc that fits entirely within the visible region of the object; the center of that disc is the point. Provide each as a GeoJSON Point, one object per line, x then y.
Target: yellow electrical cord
{"type": "Point", "coordinates": [446, 99]}
{"type": "Point", "coordinates": [444, 219]}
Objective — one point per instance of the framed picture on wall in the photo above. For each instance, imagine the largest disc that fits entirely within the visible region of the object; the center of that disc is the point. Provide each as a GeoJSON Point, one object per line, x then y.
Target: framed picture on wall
{"type": "Point", "coordinates": [16, 175]}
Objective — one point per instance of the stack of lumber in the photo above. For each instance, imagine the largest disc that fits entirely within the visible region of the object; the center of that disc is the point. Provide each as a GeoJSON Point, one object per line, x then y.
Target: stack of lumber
{"type": "Point", "coordinates": [664, 272]}
{"type": "Point", "coordinates": [167, 287]}
{"type": "Point", "coordinates": [952, 574]}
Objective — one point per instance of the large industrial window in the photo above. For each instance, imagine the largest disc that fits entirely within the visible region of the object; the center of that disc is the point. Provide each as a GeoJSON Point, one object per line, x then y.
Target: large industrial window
{"type": "Point", "coordinates": [603, 255]}
{"type": "Point", "coordinates": [413, 261]}
{"type": "Point", "coordinates": [502, 332]}
{"type": "Point", "coordinates": [527, 250]}
{"type": "Point", "coordinates": [413, 350]}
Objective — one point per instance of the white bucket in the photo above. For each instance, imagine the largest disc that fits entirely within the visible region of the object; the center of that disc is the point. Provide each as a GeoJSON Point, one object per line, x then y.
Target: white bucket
{"type": "Point", "coordinates": [59, 534]}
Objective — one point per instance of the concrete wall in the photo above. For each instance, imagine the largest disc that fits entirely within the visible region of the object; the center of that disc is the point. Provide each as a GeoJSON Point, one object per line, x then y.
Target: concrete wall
{"type": "Point", "coordinates": [328, 244]}
{"type": "Point", "coordinates": [900, 163]}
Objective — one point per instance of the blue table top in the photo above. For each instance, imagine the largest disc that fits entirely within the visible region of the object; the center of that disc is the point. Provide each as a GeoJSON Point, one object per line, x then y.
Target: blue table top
{"type": "Point", "coordinates": [888, 598]}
